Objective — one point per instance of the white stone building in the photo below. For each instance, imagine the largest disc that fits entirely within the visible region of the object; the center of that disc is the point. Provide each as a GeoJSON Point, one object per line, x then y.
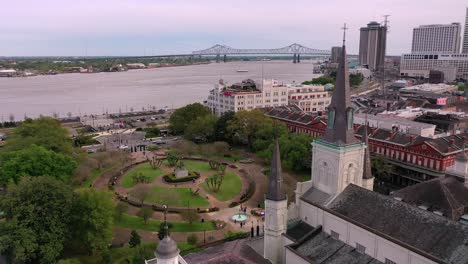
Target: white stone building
{"type": "Point", "coordinates": [419, 65]}
{"type": "Point", "coordinates": [436, 39]}
{"type": "Point", "coordinates": [465, 35]}
{"type": "Point", "coordinates": [310, 98]}
{"type": "Point", "coordinates": [246, 96]}
{"type": "Point", "coordinates": [394, 123]}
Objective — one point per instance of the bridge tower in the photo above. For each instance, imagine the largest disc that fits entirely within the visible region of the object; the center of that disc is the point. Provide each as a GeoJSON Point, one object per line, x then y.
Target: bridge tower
{"type": "Point", "coordinates": [295, 58]}
{"type": "Point", "coordinates": [217, 58]}
{"type": "Point", "coordinates": [225, 58]}
{"type": "Point", "coordinates": [298, 58]}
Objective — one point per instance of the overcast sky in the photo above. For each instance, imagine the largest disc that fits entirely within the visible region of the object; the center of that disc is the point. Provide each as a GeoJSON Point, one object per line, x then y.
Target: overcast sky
{"type": "Point", "coordinates": [138, 27]}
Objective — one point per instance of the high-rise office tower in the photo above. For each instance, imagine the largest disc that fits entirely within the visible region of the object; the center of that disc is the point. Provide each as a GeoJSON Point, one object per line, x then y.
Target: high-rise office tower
{"type": "Point", "coordinates": [465, 36]}
{"type": "Point", "coordinates": [335, 54]}
{"type": "Point", "coordinates": [372, 45]}
{"type": "Point", "coordinates": [436, 38]}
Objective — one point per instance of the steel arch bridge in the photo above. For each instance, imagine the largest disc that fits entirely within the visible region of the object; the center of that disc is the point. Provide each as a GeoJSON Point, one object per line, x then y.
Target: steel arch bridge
{"type": "Point", "coordinates": [293, 49]}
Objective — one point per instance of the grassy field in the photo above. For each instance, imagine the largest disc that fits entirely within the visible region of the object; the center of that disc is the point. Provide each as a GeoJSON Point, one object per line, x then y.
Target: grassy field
{"type": "Point", "coordinates": [176, 197]}
{"type": "Point", "coordinates": [133, 222]}
{"type": "Point", "coordinates": [144, 169]}
{"type": "Point", "coordinates": [230, 187]}
{"type": "Point", "coordinates": [198, 166]}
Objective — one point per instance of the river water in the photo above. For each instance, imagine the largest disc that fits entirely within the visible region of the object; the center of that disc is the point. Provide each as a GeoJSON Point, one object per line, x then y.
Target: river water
{"type": "Point", "coordinates": [97, 93]}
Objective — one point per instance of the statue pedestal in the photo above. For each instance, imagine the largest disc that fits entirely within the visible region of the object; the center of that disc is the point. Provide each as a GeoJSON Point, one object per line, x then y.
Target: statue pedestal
{"type": "Point", "coordinates": [180, 173]}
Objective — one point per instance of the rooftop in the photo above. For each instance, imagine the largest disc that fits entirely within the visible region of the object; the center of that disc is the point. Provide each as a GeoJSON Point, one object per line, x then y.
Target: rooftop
{"type": "Point", "coordinates": [393, 120]}
{"type": "Point", "coordinates": [428, 87]}
{"type": "Point", "coordinates": [405, 224]}
{"type": "Point", "coordinates": [234, 252]}
{"type": "Point", "coordinates": [447, 195]}
{"type": "Point", "coordinates": [322, 248]}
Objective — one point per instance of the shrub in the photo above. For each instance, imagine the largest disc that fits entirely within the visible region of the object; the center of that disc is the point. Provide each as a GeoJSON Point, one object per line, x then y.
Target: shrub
{"type": "Point", "coordinates": [230, 236]}
{"type": "Point", "coordinates": [151, 148]}
{"type": "Point", "coordinates": [248, 193]}
{"type": "Point", "coordinates": [192, 239]}
{"type": "Point", "coordinates": [135, 239]}
{"type": "Point", "coordinates": [190, 216]}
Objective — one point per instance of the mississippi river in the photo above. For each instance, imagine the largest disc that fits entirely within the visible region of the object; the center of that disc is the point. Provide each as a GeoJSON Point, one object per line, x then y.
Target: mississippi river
{"type": "Point", "coordinates": [98, 93]}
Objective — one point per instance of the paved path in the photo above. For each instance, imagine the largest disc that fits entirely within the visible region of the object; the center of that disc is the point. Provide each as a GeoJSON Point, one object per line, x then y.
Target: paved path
{"type": "Point", "coordinates": [252, 172]}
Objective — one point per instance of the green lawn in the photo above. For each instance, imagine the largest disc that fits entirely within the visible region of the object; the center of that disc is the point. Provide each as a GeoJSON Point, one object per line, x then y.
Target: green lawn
{"type": "Point", "coordinates": [145, 169]}
{"type": "Point", "coordinates": [198, 166]}
{"type": "Point", "coordinates": [177, 197]}
{"type": "Point", "coordinates": [134, 222]}
{"type": "Point", "coordinates": [230, 187]}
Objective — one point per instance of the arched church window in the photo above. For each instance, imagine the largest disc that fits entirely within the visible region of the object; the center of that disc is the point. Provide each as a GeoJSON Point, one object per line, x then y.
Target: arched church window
{"type": "Point", "coordinates": [350, 174]}
{"type": "Point", "coordinates": [323, 173]}
{"type": "Point", "coordinates": [349, 117]}
{"type": "Point", "coordinates": [331, 117]}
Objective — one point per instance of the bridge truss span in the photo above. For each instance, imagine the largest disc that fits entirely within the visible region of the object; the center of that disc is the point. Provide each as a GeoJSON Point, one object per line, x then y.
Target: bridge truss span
{"type": "Point", "coordinates": [293, 49]}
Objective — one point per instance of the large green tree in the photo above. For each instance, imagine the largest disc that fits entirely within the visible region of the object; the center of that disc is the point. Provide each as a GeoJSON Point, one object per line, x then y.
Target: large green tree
{"type": "Point", "coordinates": [267, 131]}
{"type": "Point", "coordinates": [356, 79]}
{"type": "Point", "coordinates": [202, 128]}
{"type": "Point", "coordinates": [295, 151]}
{"type": "Point", "coordinates": [244, 126]}
{"type": "Point", "coordinates": [37, 213]}
{"type": "Point", "coordinates": [181, 118]}
{"type": "Point", "coordinates": [92, 221]}
{"type": "Point", "coordinates": [221, 127]}
{"type": "Point", "coordinates": [35, 161]}
{"type": "Point", "coordinates": [45, 132]}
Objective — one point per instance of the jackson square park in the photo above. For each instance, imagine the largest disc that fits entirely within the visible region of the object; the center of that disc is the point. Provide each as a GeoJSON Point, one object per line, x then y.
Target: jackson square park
{"type": "Point", "coordinates": [74, 192]}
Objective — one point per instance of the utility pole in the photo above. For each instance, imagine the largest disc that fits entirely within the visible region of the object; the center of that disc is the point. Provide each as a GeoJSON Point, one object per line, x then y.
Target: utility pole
{"type": "Point", "coordinates": [384, 46]}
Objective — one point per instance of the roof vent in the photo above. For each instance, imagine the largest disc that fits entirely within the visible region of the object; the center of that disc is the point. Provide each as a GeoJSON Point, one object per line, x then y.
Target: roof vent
{"type": "Point", "coordinates": [438, 213]}
{"type": "Point", "coordinates": [464, 219]}
{"type": "Point", "coordinates": [423, 207]}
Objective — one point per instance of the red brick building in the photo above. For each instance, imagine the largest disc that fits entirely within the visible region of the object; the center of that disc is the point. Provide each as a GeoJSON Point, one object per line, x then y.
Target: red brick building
{"type": "Point", "coordinates": [416, 158]}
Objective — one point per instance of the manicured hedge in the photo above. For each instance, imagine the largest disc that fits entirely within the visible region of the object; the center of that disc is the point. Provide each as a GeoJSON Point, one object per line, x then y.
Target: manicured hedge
{"type": "Point", "coordinates": [230, 236]}
{"type": "Point", "coordinates": [170, 178]}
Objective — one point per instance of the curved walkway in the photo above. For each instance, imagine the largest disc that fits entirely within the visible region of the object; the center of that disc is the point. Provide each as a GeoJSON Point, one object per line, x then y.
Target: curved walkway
{"type": "Point", "coordinates": [252, 172]}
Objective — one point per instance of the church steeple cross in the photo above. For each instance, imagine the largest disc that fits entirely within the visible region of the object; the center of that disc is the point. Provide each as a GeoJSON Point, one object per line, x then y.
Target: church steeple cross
{"type": "Point", "coordinates": [344, 28]}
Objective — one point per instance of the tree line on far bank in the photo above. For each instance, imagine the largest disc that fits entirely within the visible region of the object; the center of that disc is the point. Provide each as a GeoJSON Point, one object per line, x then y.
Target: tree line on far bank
{"type": "Point", "coordinates": [251, 129]}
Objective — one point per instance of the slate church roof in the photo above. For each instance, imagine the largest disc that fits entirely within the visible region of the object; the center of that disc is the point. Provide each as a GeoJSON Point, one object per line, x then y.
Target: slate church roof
{"type": "Point", "coordinates": [447, 195]}
{"type": "Point", "coordinates": [403, 223]}
{"type": "Point", "coordinates": [234, 252]}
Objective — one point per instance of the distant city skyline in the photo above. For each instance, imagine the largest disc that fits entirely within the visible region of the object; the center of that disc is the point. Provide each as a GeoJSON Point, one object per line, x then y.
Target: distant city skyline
{"type": "Point", "coordinates": [145, 27]}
